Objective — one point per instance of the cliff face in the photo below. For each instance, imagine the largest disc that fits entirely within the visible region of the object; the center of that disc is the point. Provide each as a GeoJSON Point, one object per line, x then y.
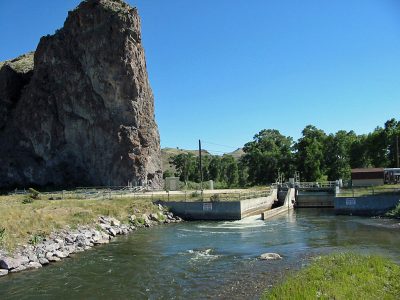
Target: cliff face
{"type": "Point", "coordinates": [86, 117]}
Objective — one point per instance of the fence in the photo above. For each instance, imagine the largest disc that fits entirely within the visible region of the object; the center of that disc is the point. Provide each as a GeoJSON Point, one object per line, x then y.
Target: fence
{"type": "Point", "coordinates": [87, 193]}
{"type": "Point", "coordinates": [140, 192]}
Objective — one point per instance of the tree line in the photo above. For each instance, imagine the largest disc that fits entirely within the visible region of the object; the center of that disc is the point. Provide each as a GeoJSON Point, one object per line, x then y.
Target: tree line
{"type": "Point", "coordinates": [317, 156]}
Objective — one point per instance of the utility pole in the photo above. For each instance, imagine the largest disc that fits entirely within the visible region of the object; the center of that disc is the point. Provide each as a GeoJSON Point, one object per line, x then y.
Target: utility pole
{"type": "Point", "coordinates": [397, 151]}
{"type": "Point", "coordinates": [200, 168]}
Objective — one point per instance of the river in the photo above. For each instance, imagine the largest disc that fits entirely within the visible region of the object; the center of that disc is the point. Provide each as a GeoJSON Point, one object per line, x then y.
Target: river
{"type": "Point", "coordinates": [204, 260]}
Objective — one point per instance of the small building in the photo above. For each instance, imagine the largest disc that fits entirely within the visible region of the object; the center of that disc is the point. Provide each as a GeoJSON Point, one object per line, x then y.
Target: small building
{"type": "Point", "coordinates": [172, 183]}
{"type": "Point", "coordinates": [367, 176]}
{"type": "Point", "coordinates": [392, 175]}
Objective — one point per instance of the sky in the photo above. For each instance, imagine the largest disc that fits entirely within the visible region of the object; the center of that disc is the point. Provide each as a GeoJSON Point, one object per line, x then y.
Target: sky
{"type": "Point", "coordinates": [222, 70]}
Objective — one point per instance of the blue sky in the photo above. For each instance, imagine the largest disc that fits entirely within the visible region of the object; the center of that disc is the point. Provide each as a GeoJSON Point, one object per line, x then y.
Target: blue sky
{"type": "Point", "coordinates": [222, 70]}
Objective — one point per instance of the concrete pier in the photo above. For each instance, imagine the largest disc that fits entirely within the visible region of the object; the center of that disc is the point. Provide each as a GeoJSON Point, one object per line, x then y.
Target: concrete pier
{"type": "Point", "coordinates": [286, 207]}
{"type": "Point", "coordinates": [222, 210]}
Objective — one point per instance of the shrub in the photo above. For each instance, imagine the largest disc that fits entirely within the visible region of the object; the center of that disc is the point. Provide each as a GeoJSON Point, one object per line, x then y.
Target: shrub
{"type": "Point", "coordinates": [27, 200]}
{"type": "Point", "coordinates": [394, 213]}
{"type": "Point", "coordinates": [139, 221]}
{"type": "Point", "coordinates": [36, 238]}
{"type": "Point", "coordinates": [161, 217]}
{"type": "Point", "coordinates": [34, 194]}
{"type": "Point", "coordinates": [215, 198]}
{"type": "Point", "coordinates": [195, 194]}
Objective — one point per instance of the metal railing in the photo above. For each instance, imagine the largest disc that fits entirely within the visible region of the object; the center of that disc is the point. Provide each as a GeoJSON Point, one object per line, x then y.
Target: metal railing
{"type": "Point", "coordinates": [193, 196]}
{"type": "Point", "coordinates": [367, 191]}
{"type": "Point", "coordinates": [323, 184]}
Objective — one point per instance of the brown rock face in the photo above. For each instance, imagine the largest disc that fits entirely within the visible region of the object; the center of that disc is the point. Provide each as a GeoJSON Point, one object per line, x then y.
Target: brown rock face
{"type": "Point", "coordinates": [86, 117]}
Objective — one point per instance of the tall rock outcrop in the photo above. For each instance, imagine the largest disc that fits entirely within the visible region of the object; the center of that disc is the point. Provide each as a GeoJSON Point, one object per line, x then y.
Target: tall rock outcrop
{"type": "Point", "coordinates": [85, 114]}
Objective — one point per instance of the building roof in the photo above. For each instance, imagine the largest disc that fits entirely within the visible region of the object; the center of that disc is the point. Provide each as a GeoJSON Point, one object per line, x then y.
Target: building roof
{"type": "Point", "coordinates": [367, 170]}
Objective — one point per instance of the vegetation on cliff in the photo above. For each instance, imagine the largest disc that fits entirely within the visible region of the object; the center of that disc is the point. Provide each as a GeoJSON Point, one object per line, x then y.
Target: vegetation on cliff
{"type": "Point", "coordinates": [21, 64]}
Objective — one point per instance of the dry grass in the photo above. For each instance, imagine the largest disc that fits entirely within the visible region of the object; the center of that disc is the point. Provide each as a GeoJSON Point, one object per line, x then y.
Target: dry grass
{"type": "Point", "coordinates": [41, 217]}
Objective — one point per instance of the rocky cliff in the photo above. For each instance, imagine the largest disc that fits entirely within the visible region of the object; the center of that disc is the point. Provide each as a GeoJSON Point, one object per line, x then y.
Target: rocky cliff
{"type": "Point", "coordinates": [85, 114]}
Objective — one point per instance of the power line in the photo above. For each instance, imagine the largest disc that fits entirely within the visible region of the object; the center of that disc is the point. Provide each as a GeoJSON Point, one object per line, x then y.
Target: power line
{"type": "Point", "coordinates": [226, 146]}
{"type": "Point", "coordinates": [209, 150]}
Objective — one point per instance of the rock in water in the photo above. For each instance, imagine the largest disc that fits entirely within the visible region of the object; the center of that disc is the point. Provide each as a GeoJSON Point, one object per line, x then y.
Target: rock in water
{"type": "Point", "coordinates": [85, 115]}
{"type": "Point", "coordinates": [270, 256]}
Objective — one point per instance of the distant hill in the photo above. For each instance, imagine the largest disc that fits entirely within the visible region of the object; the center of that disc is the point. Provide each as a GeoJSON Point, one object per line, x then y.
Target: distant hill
{"type": "Point", "coordinates": [238, 153]}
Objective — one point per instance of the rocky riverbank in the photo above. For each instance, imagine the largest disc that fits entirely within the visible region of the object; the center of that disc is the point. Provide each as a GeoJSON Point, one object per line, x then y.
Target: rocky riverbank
{"type": "Point", "coordinates": [63, 244]}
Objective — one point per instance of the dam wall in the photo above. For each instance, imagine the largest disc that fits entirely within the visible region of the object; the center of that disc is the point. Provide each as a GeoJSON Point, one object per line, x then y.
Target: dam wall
{"type": "Point", "coordinates": [372, 205]}
{"type": "Point", "coordinates": [222, 210]}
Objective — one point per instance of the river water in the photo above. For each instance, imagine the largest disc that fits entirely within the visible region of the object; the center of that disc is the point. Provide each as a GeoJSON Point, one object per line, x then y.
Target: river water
{"type": "Point", "coordinates": [204, 260]}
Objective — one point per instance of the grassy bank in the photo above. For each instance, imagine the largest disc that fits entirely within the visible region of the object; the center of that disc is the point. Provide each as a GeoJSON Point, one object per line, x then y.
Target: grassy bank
{"type": "Point", "coordinates": [21, 222]}
{"type": "Point", "coordinates": [342, 276]}
{"type": "Point", "coordinates": [23, 218]}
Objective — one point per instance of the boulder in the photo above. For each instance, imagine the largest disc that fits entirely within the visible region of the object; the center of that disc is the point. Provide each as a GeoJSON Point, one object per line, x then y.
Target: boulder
{"type": "Point", "coordinates": [82, 241]}
{"type": "Point", "coordinates": [270, 256]}
{"type": "Point", "coordinates": [10, 263]}
{"type": "Point", "coordinates": [68, 249]}
{"type": "Point", "coordinates": [61, 254]}
{"type": "Point", "coordinates": [43, 261]}
{"type": "Point", "coordinates": [115, 222]}
{"type": "Point", "coordinates": [154, 217]}
{"type": "Point", "coordinates": [146, 220]}
{"type": "Point", "coordinates": [49, 255]}
{"type": "Point", "coordinates": [18, 269]}
{"type": "Point", "coordinates": [34, 265]}
{"type": "Point", "coordinates": [70, 239]}
{"type": "Point", "coordinates": [3, 272]}
{"type": "Point", "coordinates": [112, 231]}
{"type": "Point", "coordinates": [132, 219]}
{"type": "Point", "coordinates": [51, 246]}
{"type": "Point", "coordinates": [53, 259]}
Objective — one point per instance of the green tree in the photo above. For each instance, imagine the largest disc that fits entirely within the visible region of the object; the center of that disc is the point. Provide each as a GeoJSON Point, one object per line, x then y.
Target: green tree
{"type": "Point", "coordinates": [269, 152]}
{"type": "Point", "coordinates": [337, 154]}
{"type": "Point", "coordinates": [359, 155]}
{"type": "Point", "coordinates": [185, 165]}
{"type": "Point", "coordinates": [214, 168]}
{"type": "Point", "coordinates": [167, 173]}
{"type": "Point", "coordinates": [243, 174]}
{"type": "Point", "coordinates": [392, 131]}
{"type": "Point", "coordinates": [230, 170]}
{"type": "Point", "coordinates": [377, 147]}
{"type": "Point", "coordinates": [310, 154]}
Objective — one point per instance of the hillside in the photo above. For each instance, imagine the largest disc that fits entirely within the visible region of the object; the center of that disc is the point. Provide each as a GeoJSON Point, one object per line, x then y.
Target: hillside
{"type": "Point", "coordinates": [238, 153]}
